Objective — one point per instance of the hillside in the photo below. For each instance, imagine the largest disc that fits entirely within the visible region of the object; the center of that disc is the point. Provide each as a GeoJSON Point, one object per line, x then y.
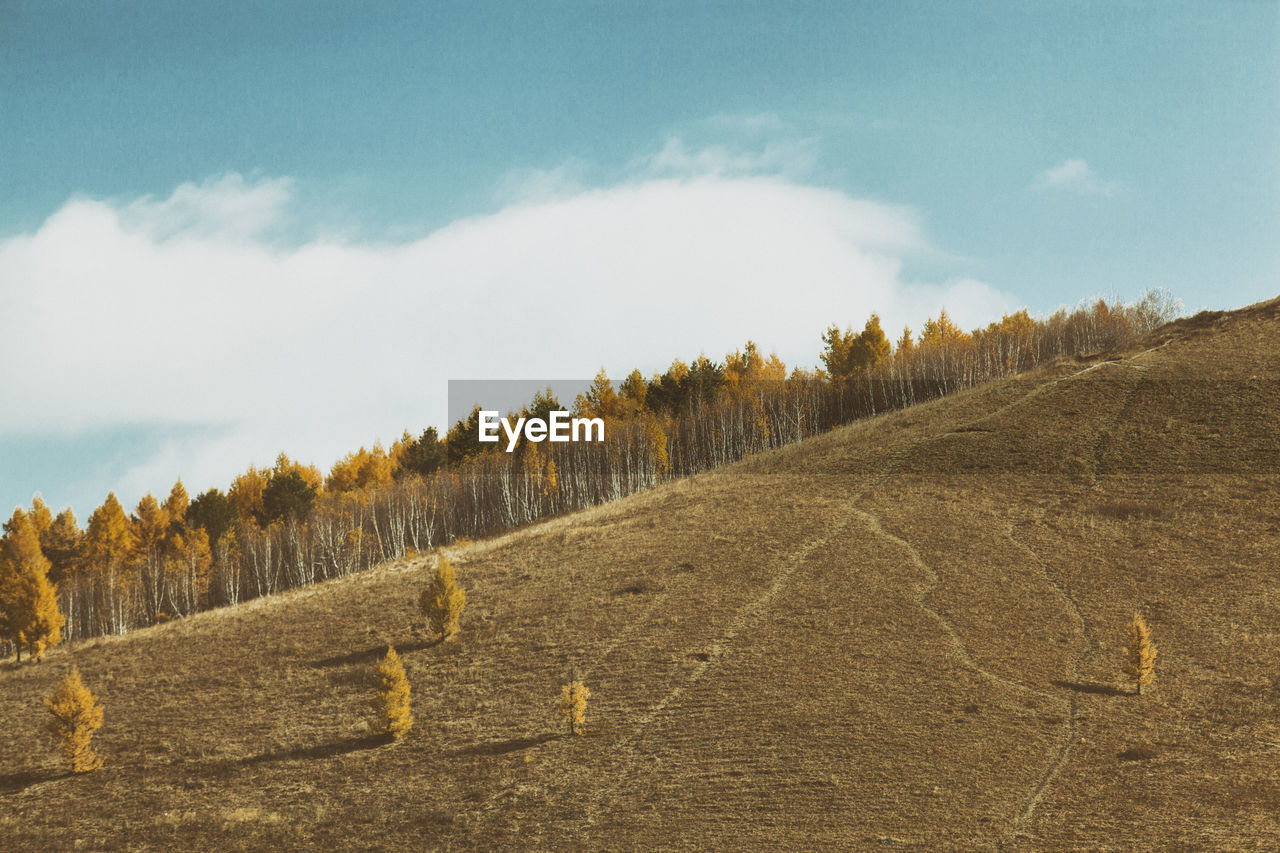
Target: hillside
{"type": "Point", "coordinates": [904, 634]}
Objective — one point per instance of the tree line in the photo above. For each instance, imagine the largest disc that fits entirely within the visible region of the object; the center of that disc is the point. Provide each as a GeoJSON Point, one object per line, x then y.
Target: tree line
{"type": "Point", "coordinates": [290, 525]}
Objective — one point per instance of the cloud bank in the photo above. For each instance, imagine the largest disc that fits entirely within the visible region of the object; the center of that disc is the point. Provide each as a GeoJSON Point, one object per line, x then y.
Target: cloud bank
{"type": "Point", "coordinates": [190, 310]}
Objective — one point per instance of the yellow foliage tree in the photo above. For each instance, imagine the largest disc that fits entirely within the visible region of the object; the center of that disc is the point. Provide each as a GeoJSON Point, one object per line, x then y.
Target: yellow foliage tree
{"type": "Point", "coordinates": [310, 474]}
{"type": "Point", "coordinates": [246, 492]}
{"type": "Point", "coordinates": [550, 479]}
{"type": "Point", "coordinates": [175, 506]}
{"type": "Point", "coordinates": [391, 713]}
{"type": "Point", "coordinates": [76, 716]}
{"type": "Point", "coordinates": [847, 354]}
{"type": "Point", "coordinates": [573, 704]}
{"type": "Point", "coordinates": [655, 438]}
{"type": "Point", "coordinates": [442, 600]}
{"type": "Point", "coordinates": [361, 470]}
{"type": "Point", "coordinates": [942, 331]}
{"type": "Point", "coordinates": [905, 344]}
{"type": "Point", "coordinates": [1140, 654]}
{"type": "Point", "coordinates": [190, 562]}
{"type": "Point", "coordinates": [108, 540]}
{"type": "Point", "coordinates": [598, 401]}
{"type": "Point", "coordinates": [28, 601]}
{"type": "Point", "coordinates": [150, 524]}
{"type": "Point", "coordinates": [41, 517]}
{"type": "Point", "coordinates": [108, 546]}
{"type": "Point", "coordinates": [633, 391]}
{"type": "Point", "coordinates": [742, 369]}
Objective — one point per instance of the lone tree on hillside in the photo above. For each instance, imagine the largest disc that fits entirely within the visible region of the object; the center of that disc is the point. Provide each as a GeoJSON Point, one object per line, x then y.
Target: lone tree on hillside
{"type": "Point", "coordinates": [1140, 654]}
{"type": "Point", "coordinates": [76, 716]}
{"type": "Point", "coordinates": [391, 713]}
{"type": "Point", "coordinates": [442, 600]}
{"type": "Point", "coordinates": [573, 702]}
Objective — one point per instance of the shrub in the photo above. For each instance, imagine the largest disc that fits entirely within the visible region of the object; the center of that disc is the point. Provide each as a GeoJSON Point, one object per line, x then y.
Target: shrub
{"type": "Point", "coordinates": [1140, 654]}
{"type": "Point", "coordinates": [76, 716]}
{"type": "Point", "coordinates": [391, 713]}
{"type": "Point", "coordinates": [443, 600]}
{"type": "Point", "coordinates": [573, 704]}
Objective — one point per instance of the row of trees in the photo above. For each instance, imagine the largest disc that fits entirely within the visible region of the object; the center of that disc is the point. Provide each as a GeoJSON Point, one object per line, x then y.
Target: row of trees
{"type": "Point", "coordinates": [290, 525]}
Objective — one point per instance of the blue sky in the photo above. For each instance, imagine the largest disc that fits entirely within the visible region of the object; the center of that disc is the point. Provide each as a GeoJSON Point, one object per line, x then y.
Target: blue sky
{"type": "Point", "coordinates": [341, 205]}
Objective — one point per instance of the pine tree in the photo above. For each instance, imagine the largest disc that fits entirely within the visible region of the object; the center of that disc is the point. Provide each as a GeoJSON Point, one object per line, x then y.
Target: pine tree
{"type": "Point", "coordinates": [391, 713]}
{"type": "Point", "coordinates": [573, 703]}
{"type": "Point", "coordinates": [61, 545]}
{"type": "Point", "coordinates": [1140, 654]}
{"type": "Point", "coordinates": [442, 600]}
{"type": "Point", "coordinates": [28, 600]}
{"type": "Point", "coordinates": [76, 716]}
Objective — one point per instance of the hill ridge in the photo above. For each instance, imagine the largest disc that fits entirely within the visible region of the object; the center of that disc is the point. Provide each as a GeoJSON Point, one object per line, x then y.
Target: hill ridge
{"type": "Point", "coordinates": [903, 633]}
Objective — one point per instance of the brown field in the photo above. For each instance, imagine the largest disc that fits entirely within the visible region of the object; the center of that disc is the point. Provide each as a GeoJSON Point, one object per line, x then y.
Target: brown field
{"type": "Point", "coordinates": [905, 634]}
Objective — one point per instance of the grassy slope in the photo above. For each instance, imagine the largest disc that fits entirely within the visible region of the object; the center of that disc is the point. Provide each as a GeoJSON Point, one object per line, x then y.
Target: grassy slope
{"type": "Point", "coordinates": [903, 634]}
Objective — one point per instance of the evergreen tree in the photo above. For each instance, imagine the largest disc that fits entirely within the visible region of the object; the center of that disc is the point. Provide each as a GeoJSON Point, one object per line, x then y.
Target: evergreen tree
{"type": "Point", "coordinates": [76, 716]}
{"type": "Point", "coordinates": [287, 496]}
{"type": "Point", "coordinates": [391, 714]}
{"type": "Point", "coordinates": [310, 474]}
{"type": "Point", "coordinates": [442, 600]}
{"type": "Point", "coordinates": [704, 378]}
{"type": "Point", "coordinates": [669, 392]}
{"type": "Point", "coordinates": [543, 404]}
{"type": "Point", "coordinates": [212, 511]}
{"type": "Point", "coordinates": [422, 456]}
{"type": "Point", "coordinates": [1140, 654]}
{"type": "Point", "coordinates": [463, 439]}
{"type": "Point", "coordinates": [61, 545]}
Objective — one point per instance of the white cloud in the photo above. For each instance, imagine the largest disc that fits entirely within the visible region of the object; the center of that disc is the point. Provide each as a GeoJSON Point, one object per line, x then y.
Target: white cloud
{"type": "Point", "coordinates": [786, 156]}
{"type": "Point", "coordinates": [185, 310]}
{"type": "Point", "coordinates": [1077, 176]}
{"type": "Point", "coordinates": [723, 145]}
{"type": "Point", "coordinates": [227, 207]}
{"type": "Point", "coordinates": [522, 186]}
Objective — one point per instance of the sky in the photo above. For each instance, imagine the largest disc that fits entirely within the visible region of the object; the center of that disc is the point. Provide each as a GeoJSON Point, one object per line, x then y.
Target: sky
{"type": "Point", "coordinates": [229, 230]}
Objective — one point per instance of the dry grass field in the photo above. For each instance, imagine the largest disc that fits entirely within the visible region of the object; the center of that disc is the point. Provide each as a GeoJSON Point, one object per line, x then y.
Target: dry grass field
{"type": "Point", "coordinates": [906, 634]}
